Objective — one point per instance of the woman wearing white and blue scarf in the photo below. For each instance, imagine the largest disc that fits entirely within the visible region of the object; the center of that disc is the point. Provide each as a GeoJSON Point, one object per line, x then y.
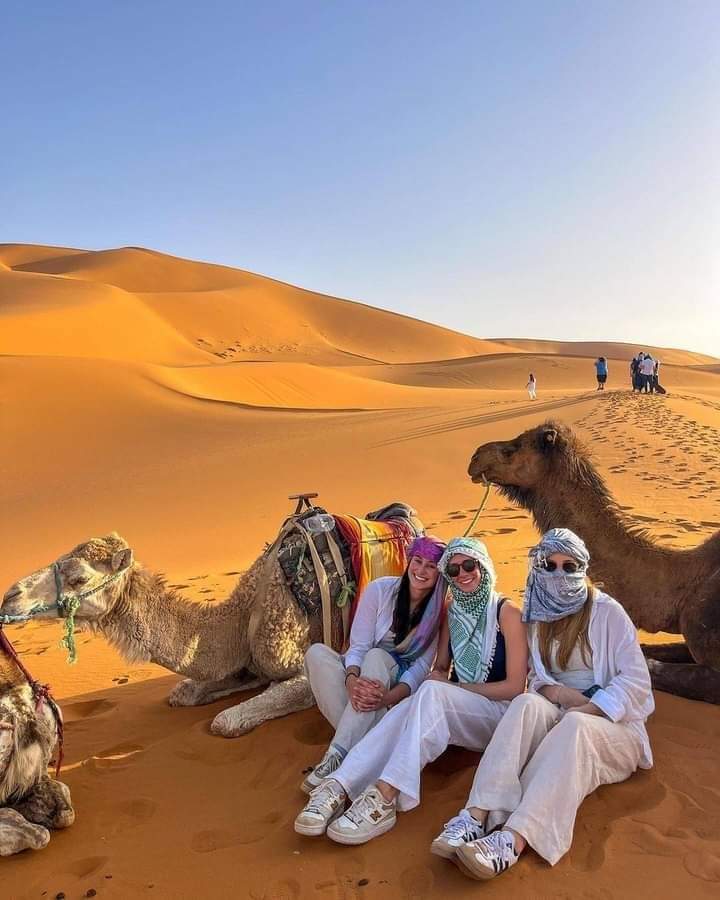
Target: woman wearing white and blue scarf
{"type": "Point", "coordinates": [581, 724]}
{"type": "Point", "coordinates": [381, 774]}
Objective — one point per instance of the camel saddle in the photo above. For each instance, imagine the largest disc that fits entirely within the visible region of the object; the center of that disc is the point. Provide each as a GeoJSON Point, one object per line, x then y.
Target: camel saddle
{"type": "Point", "coordinates": [323, 568]}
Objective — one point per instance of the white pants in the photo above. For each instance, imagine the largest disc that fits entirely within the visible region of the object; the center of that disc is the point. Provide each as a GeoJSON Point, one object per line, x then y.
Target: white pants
{"type": "Point", "coordinates": [414, 733]}
{"type": "Point", "coordinates": [326, 673]}
{"type": "Point", "coordinates": [541, 764]}
{"type": "Point", "coordinates": [531, 392]}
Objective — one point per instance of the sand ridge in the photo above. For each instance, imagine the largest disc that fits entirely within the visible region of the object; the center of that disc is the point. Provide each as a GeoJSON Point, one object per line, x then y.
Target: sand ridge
{"type": "Point", "coordinates": [138, 403]}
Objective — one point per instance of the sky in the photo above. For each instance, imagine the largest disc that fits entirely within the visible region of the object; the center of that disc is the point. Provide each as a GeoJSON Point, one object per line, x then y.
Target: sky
{"type": "Point", "coordinates": [534, 169]}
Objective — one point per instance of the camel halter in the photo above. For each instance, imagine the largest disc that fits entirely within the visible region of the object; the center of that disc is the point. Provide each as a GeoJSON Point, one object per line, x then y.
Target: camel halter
{"type": "Point", "coordinates": [66, 605]}
{"type": "Point", "coordinates": [488, 485]}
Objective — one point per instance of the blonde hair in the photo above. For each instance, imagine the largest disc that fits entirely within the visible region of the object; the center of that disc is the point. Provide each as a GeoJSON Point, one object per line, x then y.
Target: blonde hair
{"type": "Point", "coordinates": [567, 632]}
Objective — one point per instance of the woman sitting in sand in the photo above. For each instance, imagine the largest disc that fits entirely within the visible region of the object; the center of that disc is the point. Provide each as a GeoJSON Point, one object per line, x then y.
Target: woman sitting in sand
{"type": "Point", "coordinates": [582, 723]}
{"type": "Point", "coordinates": [393, 641]}
{"type": "Point", "coordinates": [488, 644]}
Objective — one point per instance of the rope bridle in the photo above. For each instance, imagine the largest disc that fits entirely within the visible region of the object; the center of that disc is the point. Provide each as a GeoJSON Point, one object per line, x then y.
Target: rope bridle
{"type": "Point", "coordinates": [66, 605]}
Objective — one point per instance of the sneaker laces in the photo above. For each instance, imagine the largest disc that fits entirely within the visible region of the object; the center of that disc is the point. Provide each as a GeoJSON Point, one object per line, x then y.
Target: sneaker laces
{"type": "Point", "coordinates": [323, 795]}
{"type": "Point", "coordinates": [328, 764]}
{"type": "Point", "coordinates": [499, 844]}
{"type": "Point", "coordinates": [463, 827]}
{"type": "Point", "coordinates": [366, 803]}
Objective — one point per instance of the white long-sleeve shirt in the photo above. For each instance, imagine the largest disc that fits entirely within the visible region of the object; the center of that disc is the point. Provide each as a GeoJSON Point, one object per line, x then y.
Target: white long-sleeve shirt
{"type": "Point", "coordinates": [619, 668]}
{"type": "Point", "coordinates": [372, 622]}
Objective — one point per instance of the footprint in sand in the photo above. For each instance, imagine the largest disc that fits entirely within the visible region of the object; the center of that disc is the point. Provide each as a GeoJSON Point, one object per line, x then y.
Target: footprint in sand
{"type": "Point", "coordinates": [87, 865]}
{"type": "Point", "coordinates": [86, 709]}
{"type": "Point", "coordinates": [118, 757]}
{"type": "Point", "coordinates": [417, 882]}
{"type": "Point", "coordinates": [140, 810]}
{"type": "Point", "coordinates": [287, 889]}
{"type": "Point", "coordinates": [245, 833]}
{"type": "Point", "coordinates": [702, 864]}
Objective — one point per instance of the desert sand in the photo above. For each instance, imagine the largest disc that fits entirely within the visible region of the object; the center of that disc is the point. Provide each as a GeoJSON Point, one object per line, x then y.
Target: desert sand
{"type": "Point", "coordinates": [179, 403]}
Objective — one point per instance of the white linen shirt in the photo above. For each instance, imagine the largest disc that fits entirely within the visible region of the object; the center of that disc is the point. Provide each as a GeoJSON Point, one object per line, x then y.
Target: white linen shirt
{"type": "Point", "coordinates": [619, 668]}
{"type": "Point", "coordinates": [371, 624]}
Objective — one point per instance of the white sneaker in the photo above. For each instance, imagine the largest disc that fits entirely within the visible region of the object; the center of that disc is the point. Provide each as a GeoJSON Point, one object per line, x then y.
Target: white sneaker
{"type": "Point", "coordinates": [461, 829]}
{"type": "Point", "coordinates": [368, 817]}
{"type": "Point", "coordinates": [326, 803]}
{"type": "Point", "coordinates": [324, 769]}
{"type": "Point", "coordinates": [490, 856]}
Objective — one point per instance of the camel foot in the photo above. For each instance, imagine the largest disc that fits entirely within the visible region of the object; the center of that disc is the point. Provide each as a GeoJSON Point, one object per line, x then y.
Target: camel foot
{"type": "Point", "coordinates": [198, 693]}
{"type": "Point", "coordinates": [280, 699]}
{"type": "Point", "coordinates": [686, 680]}
{"type": "Point", "coordinates": [17, 834]}
{"type": "Point", "coordinates": [669, 653]}
{"type": "Point", "coordinates": [47, 804]}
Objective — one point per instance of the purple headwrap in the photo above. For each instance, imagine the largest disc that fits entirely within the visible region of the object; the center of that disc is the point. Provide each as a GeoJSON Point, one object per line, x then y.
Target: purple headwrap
{"type": "Point", "coordinates": [428, 547]}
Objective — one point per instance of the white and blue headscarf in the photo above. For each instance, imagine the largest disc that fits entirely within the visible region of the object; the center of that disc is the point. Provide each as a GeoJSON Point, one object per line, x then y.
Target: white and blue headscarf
{"type": "Point", "coordinates": [550, 596]}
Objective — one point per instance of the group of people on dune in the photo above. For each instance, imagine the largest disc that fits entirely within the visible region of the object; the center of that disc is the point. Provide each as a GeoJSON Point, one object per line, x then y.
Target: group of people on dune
{"type": "Point", "coordinates": [645, 373]}
{"type": "Point", "coordinates": [556, 695]}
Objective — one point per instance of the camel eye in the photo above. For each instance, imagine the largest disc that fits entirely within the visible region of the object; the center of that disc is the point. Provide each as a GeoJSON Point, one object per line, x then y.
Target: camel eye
{"type": "Point", "coordinates": [77, 580]}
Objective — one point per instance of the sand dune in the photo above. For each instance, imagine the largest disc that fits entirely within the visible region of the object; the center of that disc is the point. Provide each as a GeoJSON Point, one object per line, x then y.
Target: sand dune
{"type": "Point", "coordinates": [179, 403]}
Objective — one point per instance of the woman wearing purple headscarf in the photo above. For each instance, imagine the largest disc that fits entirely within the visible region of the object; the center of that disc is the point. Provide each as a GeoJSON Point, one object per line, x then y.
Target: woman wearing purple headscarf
{"type": "Point", "coordinates": [393, 640]}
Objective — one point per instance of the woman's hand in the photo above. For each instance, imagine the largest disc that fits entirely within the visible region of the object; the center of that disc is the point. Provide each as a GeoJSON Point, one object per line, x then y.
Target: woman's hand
{"type": "Point", "coordinates": [438, 675]}
{"type": "Point", "coordinates": [365, 694]}
{"type": "Point", "coordinates": [566, 697]}
{"type": "Point", "coordinates": [588, 709]}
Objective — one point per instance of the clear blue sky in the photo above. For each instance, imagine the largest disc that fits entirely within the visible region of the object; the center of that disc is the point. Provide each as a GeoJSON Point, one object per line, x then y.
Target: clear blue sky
{"type": "Point", "coordinates": [527, 169]}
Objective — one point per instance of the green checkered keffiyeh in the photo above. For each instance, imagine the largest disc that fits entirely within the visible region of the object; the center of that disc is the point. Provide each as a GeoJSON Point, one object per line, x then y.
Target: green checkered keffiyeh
{"type": "Point", "coordinates": [472, 620]}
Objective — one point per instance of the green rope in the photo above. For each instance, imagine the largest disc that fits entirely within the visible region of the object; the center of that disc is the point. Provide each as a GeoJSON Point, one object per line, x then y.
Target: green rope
{"type": "Point", "coordinates": [68, 641]}
{"type": "Point", "coordinates": [347, 592]}
{"type": "Point", "coordinates": [479, 509]}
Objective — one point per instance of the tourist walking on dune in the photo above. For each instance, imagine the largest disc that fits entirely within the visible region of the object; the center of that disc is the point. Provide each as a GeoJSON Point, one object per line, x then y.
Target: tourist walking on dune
{"type": "Point", "coordinates": [647, 369]}
{"type": "Point", "coordinates": [532, 387]}
{"type": "Point", "coordinates": [486, 642]}
{"type": "Point", "coordinates": [581, 724]}
{"type": "Point", "coordinates": [601, 369]}
{"type": "Point", "coordinates": [393, 640]}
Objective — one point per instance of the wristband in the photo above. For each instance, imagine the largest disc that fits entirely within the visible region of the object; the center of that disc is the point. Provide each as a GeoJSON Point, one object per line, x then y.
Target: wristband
{"type": "Point", "coordinates": [350, 674]}
{"type": "Point", "coordinates": [592, 690]}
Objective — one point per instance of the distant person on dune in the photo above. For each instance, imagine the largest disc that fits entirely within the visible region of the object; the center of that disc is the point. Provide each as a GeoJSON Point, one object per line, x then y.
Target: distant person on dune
{"type": "Point", "coordinates": [486, 644]}
{"type": "Point", "coordinates": [601, 369]}
{"type": "Point", "coordinates": [656, 375]}
{"type": "Point", "coordinates": [393, 640]}
{"type": "Point", "coordinates": [581, 723]}
{"type": "Point", "coordinates": [647, 368]}
{"type": "Point", "coordinates": [532, 387]}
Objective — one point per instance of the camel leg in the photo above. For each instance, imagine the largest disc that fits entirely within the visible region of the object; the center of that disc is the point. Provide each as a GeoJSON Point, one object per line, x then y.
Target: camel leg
{"type": "Point", "coordinates": [668, 653]}
{"type": "Point", "coordinates": [686, 680]}
{"type": "Point", "coordinates": [17, 834]}
{"type": "Point", "coordinates": [48, 804]}
{"type": "Point", "coordinates": [280, 699]}
{"type": "Point", "coordinates": [197, 693]}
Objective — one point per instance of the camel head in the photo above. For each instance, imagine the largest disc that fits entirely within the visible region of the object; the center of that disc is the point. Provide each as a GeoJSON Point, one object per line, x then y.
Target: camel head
{"type": "Point", "coordinates": [521, 465]}
{"type": "Point", "coordinates": [93, 572]}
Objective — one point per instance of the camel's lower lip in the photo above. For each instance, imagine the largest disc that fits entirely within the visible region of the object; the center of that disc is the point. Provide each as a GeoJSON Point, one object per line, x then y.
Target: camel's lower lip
{"type": "Point", "coordinates": [478, 479]}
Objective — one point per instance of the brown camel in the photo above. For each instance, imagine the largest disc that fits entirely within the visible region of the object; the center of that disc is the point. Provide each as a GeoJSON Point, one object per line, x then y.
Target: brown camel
{"type": "Point", "coordinates": [548, 471]}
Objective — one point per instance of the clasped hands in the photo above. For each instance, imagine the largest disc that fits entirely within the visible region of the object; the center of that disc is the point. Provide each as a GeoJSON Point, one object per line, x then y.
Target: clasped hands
{"type": "Point", "coordinates": [570, 700]}
{"type": "Point", "coordinates": [365, 694]}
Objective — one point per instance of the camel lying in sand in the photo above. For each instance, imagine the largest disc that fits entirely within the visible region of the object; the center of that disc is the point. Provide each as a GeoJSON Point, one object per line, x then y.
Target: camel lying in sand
{"type": "Point", "coordinates": [30, 801]}
{"type": "Point", "coordinates": [547, 471]}
{"type": "Point", "coordinates": [236, 645]}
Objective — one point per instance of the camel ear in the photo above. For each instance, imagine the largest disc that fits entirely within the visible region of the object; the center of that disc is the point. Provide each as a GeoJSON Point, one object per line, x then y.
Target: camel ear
{"type": "Point", "coordinates": [549, 437]}
{"type": "Point", "coordinates": [122, 559]}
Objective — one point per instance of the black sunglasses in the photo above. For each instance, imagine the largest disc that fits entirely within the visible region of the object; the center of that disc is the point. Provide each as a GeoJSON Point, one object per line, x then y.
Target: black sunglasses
{"type": "Point", "coordinates": [467, 565]}
{"type": "Point", "coordinates": [568, 566]}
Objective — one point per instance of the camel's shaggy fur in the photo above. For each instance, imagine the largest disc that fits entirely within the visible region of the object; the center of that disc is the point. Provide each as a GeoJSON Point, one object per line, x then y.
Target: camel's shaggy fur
{"type": "Point", "coordinates": [30, 802]}
{"type": "Point", "coordinates": [209, 643]}
{"type": "Point", "coordinates": [549, 472]}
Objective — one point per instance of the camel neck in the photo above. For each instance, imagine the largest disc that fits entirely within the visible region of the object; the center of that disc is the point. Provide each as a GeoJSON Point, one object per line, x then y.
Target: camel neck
{"type": "Point", "coordinates": [152, 623]}
{"type": "Point", "coordinates": [639, 574]}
